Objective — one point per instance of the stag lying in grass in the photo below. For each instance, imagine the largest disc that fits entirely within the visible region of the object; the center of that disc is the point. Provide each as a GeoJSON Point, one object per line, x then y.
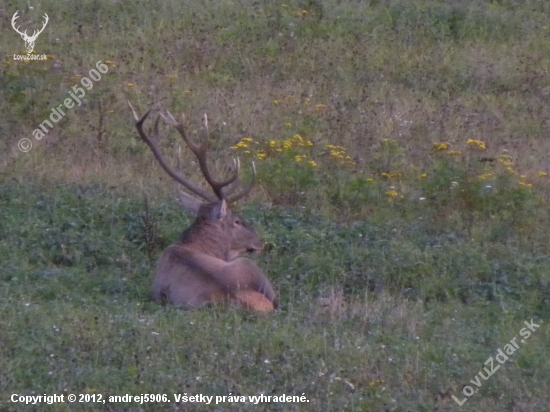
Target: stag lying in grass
{"type": "Point", "coordinates": [204, 265]}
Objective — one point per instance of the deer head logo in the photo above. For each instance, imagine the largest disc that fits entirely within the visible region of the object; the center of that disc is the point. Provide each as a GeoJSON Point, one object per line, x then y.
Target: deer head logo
{"type": "Point", "coordinates": [29, 40]}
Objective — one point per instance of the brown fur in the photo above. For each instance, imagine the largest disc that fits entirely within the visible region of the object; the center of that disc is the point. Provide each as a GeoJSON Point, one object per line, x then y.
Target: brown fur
{"type": "Point", "coordinates": [202, 266]}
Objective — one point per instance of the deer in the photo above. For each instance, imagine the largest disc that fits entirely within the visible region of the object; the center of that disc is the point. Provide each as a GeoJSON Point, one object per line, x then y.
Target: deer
{"type": "Point", "coordinates": [29, 40]}
{"type": "Point", "coordinates": [205, 265]}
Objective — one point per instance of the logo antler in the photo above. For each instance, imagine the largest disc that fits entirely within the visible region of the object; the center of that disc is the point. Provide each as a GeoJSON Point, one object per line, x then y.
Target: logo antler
{"type": "Point", "coordinates": [29, 40]}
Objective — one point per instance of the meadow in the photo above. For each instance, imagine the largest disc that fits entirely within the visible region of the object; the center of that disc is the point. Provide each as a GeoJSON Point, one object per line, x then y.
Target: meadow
{"type": "Point", "coordinates": [403, 191]}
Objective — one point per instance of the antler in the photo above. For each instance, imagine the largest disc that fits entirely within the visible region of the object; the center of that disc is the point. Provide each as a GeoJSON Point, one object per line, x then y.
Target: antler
{"type": "Point", "coordinates": [200, 152]}
{"type": "Point", "coordinates": [13, 19]}
{"type": "Point", "coordinates": [24, 34]}
{"type": "Point", "coordinates": [37, 32]}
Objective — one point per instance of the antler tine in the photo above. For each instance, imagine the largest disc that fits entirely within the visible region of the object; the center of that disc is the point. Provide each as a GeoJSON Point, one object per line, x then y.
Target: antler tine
{"type": "Point", "coordinates": [36, 32]}
{"type": "Point", "coordinates": [233, 186]}
{"type": "Point", "coordinates": [13, 20]}
{"type": "Point", "coordinates": [246, 191]}
{"type": "Point", "coordinates": [153, 145]}
{"type": "Point", "coordinates": [200, 153]}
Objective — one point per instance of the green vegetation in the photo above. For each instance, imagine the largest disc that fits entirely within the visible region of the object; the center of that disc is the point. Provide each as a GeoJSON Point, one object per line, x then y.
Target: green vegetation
{"type": "Point", "coordinates": [403, 194]}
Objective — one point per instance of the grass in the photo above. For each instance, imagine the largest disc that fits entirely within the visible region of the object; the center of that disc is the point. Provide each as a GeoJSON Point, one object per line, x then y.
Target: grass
{"type": "Point", "coordinates": [403, 195]}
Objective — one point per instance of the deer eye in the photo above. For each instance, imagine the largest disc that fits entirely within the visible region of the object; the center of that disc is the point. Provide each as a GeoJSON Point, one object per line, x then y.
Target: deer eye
{"type": "Point", "coordinates": [238, 222]}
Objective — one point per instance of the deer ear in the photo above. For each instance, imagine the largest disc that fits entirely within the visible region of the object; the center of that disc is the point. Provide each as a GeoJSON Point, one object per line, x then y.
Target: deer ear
{"type": "Point", "coordinates": [219, 211]}
{"type": "Point", "coordinates": [189, 202]}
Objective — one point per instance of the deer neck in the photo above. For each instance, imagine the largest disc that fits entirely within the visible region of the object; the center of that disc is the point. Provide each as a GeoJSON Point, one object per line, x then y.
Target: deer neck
{"type": "Point", "coordinates": [209, 242]}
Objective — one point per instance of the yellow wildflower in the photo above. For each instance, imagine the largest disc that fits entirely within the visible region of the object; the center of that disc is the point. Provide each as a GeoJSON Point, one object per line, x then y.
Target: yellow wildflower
{"type": "Point", "coordinates": [391, 193]}
{"type": "Point", "coordinates": [312, 163]}
{"type": "Point", "coordinates": [240, 145]}
{"type": "Point", "coordinates": [272, 143]}
{"type": "Point", "coordinates": [370, 180]}
{"type": "Point", "coordinates": [542, 174]}
{"type": "Point", "coordinates": [437, 147]}
{"type": "Point", "coordinates": [478, 143]}
{"type": "Point", "coordinates": [261, 156]}
{"type": "Point", "coordinates": [423, 176]}
{"type": "Point", "coordinates": [454, 153]}
{"type": "Point", "coordinates": [525, 184]}
{"type": "Point", "coordinates": [287, 124]}
{"type": "Point", "coordinates": [247, 139]}
{"type": "Point", "coordinates": [276, 102]}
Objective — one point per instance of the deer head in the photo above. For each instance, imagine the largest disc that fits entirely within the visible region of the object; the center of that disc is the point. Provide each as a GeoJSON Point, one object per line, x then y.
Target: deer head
{"type": "Point", "coordinates": [29, 40]}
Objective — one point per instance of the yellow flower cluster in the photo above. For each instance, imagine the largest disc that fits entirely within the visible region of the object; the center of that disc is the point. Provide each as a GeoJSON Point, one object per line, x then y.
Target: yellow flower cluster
{"type": "Point", "coordinates": [339, 153]}
{"type": "Point", "coordinates": [438, 147]}
{"type": "Point", "coordinates": [506, 161]}
{"type": "Point", "coordinates": [298, 141]}
{"type": "Point", "coordinates": [477, 143]}
{"type": "Point", "coordinates": [275, 146]}
{"type": "Point", "coordinates": [240, 145]}
{"type": "Point", "coordinates": [486, 176]}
